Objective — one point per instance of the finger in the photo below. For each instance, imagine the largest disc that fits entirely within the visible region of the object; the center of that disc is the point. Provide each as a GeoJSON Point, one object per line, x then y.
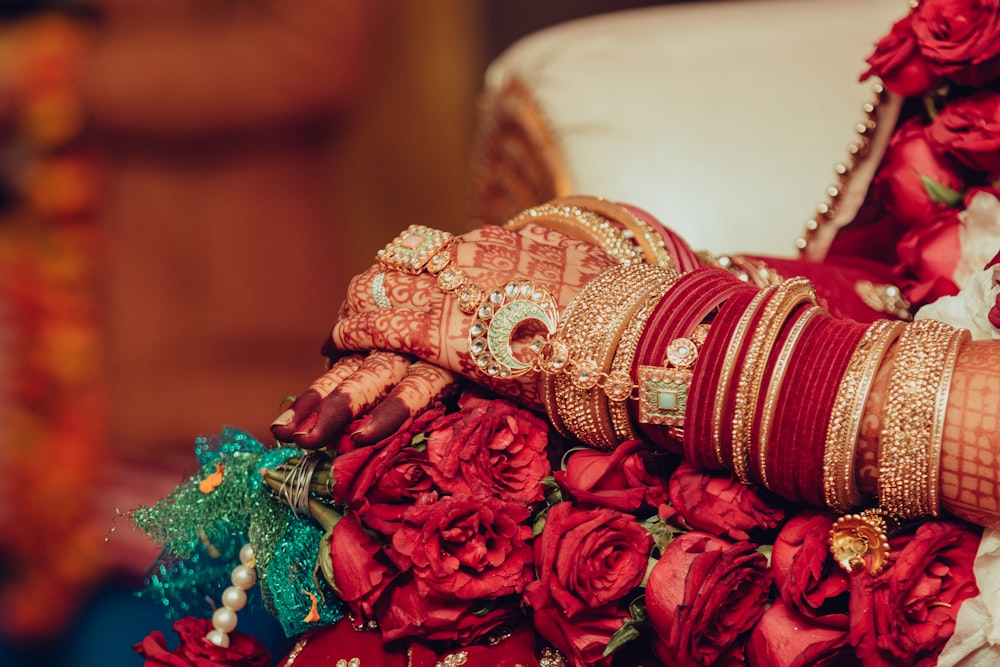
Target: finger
{"type": "Point", "coordinates": [361, 390]}
{"type": "Point", "coordinates": [422, 384]}
{"type": "Point", "coordinates": [397, 288]}
{"type": "Point", "coordinates": [293, 419]}
{"type": "Point", "coordinates": [412, 332]}
{"type": "Point", "coordinates": [359, 292]}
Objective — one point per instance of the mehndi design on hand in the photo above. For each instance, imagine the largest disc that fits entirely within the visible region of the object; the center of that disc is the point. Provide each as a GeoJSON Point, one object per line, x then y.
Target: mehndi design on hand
{"type": "Point", "coordinates": [387, 386]}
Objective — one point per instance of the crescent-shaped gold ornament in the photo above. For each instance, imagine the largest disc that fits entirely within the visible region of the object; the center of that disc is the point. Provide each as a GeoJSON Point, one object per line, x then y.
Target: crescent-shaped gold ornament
{"type": "Point", "coordinates": [505, 309]}
{"type": "Point", "coordinates": [859, 541]}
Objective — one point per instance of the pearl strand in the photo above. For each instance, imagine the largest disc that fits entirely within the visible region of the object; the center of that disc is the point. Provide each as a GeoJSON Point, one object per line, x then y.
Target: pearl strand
{"type": "Point", "coordinates": [234, 598]}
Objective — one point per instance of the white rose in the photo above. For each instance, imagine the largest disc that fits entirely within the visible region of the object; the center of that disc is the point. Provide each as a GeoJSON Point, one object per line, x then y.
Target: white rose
{"type": "Point", "coordinates": [969, 309]}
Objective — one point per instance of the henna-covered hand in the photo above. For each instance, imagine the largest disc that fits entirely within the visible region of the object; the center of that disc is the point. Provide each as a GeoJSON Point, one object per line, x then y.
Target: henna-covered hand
{"type": "Point", "coordinates": [388, 387]}
{"type": "Point", "coordinates": [423, 335]}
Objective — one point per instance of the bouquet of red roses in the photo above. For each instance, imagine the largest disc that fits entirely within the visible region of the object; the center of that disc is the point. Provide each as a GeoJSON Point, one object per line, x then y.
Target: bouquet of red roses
{"type": "Point", "coordinates": [473, 524]}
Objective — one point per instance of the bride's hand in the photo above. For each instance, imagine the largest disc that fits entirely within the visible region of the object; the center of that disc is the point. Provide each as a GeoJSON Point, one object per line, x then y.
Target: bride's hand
{"type": "Point", "coordinates": [387, 386]}
{"type": "Point", "coordinates": [423, 335]}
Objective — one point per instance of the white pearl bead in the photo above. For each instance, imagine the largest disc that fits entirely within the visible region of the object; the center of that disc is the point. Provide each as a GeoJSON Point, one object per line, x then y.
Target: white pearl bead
{"type": "Point", "coordinates": [234, 598]}
{"type": "Point", "coordinates": [218, 638]}
{"type": "Point", "coordinates": [247, 555]}
{"type": "Point", "coordinates": [244, 577]}
{"type": "Point", "coordinates": [224, 619]}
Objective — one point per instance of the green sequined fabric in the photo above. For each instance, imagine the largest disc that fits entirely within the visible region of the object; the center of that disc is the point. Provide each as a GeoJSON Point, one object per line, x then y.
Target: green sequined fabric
{"type": "Point", "coordinates": [201, 534]}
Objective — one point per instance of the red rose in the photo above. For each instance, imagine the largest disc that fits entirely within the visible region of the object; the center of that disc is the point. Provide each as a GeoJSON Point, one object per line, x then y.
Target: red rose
{"type": "Point", "coordinates": [381, 481]}
{"type": "Point", "coordinates": [959, 38]}
{"type": "Point", "coordinates": [898, 62]}
{"type": "Point", "coordinates": [587, 561]}
{"type": "Point", "coordinates": [809, 581]}
{"type": "Point", "coordinates": [361, 569]}
{"type": "Point", "coordinates": [381, 484]}
{"type": "Point", "coordinates": [620, 479]}
{"type": "Point", "coordinates": [905, 615]}
{"type": "Point", "coordinates": [196, 651]}
{"type": "Point", "coordinates": [490, 447]}
{"type": "Point", "coordinates": [466, 547]}
{"type": "Point", "coordinates": [702, 595]}
{"type": "Point", "coordinates": [899, 183]}
{"type": "Point", "coordinates": [969, 130]}
{"type": "Point", "coordinates": [928, 258]}
{"type": "Point", "coordinates": [784, 638]}
{"type": "Point", "coordinates": [716, 502]}
{"type": "Point", "coordinates": [412, 612]}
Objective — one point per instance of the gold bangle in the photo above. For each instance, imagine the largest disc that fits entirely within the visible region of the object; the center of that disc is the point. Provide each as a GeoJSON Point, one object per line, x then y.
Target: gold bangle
{"type": "Point", "coordinates": [729, 365]}
{"type": "Point", "coordinates": [905, 443]}
{"type": "Point", "coordinates": [611, 403]}
{"type": "Point", "coordinates": [584, 225]}
{"type": "Point", "coordinates": [642, 233]}
{"type": "Point", "coordinates": [937, 431]}
{"type": "Point", "coordinates": [621, 366]}
{"type": "Point", "coordinates": [788, 296]}
{"type": "Point", "coordinates": [839, 482]}
{"type": "Point", "coordinates": [591, 329]}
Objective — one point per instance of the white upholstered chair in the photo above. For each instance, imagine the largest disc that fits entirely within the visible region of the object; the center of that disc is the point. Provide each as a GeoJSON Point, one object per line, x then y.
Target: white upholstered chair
{"type": "Point", "coordinates": [724, 119]}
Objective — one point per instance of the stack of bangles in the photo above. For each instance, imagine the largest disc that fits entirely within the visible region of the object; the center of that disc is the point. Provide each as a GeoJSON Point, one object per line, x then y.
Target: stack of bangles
{"type": "Point", "coordinates": [758, 381]}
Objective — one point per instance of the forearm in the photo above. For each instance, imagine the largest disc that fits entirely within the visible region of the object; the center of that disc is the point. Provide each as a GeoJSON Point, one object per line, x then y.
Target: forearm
{"type": "Point", "coordinates": [816, 408]}
{"type": "Point", "coordinates": [970, 445]}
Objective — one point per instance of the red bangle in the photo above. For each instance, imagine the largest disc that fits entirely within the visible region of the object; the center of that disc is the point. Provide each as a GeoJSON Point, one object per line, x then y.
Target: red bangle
{"type": "Point", "coordinates": [699, 449]}
{"type": "Point", "coordinates": [684, 258]}
{"type": "Point", "coordinates": [803, 410]}
{"type": "Point", "coordinates": [684, 307]}
{"type": "Point", "coordinates": [773, 379]}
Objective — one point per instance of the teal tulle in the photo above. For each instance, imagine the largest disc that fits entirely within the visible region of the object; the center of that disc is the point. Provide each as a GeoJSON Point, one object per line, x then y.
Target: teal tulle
{"type": "Point", "coordinates": [202, 533]}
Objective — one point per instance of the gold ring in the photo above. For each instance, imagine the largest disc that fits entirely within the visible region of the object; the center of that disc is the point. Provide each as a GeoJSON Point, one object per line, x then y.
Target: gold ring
{"type": "Point", "coordinates": [413, 248]}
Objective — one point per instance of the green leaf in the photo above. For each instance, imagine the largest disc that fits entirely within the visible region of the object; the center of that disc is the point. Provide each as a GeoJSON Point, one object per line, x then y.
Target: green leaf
{"type": "Point", "coordinates": [941, 193]}
{"type": "Point", "coordinates": [661, 532]}
{"type": "Point", "coordinates": [637, 608]}
{"type": "Point", "coordinates": [553, 492]}
{"type": "Point", "coordinates": [628, 632]}
{"type": "Point", "coordinates": [766, 549]}
{"type": "Point", "coordinates": [325, 560]}
{"type": "Point", "coordinates": [632, 627]}
{"type": "Point", "coordinates": [650, 563]}
{"type": "Point", "coordinates": [539, 525]}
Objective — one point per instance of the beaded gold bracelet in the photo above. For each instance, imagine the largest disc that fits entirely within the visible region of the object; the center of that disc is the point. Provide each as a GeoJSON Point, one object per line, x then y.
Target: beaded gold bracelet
{"type": "Point", "coordinates": [590, 332]}
{"type": "Point", "coordinates": [624, 357]}
{"type": "Point", "coordinates": [733, 353]}
{"type": "Point", "coordinates": [787, 296]}
{"type": "Point", "coordinates": [839, 483]}
{"type": "Point", "coordinates": [584, 225]}
{"type": "Point", "coordinates": [633, 227]}
{"type": "Point", "coordinates": [625, 237]}
{"type": "Point", "coordinates": [906, 442]}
